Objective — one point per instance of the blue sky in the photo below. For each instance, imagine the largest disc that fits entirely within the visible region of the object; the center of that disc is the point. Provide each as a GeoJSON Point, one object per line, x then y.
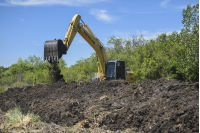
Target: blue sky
{"type": "Point", "coordinates": [25, 25]}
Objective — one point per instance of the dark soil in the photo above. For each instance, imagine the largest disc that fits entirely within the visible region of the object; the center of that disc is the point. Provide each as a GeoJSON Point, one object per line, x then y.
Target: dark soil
{"type": "Point", "coordinates": [155, 106]}
{"type": "Point", "coordinates": [55, 72]}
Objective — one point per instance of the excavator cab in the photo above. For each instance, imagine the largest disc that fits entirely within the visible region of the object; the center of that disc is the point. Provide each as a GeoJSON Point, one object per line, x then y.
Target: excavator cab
{"type": "Point", "coordinates": [115, 69]}
{"type": "Point", "coordinates": [53, 50]}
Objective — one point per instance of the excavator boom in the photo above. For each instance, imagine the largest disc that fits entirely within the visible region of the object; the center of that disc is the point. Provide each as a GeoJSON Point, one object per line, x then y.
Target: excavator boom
{"type": "Point", "coordinates": [54, 50]}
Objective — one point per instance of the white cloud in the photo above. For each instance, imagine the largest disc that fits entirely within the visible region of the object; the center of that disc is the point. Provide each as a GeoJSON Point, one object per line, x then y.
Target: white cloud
{"type": "Point", "coordinates": [164, 3]}
{"type": "Point", "coordinates": [81, 41]}
{"type": "Point", "coordinates": [142, 32]}
{"type": "Point", "coordinates": [102, 15]}
{"type": "Point", "coordinates": [148, 36]}
{"type": "Point", "coordinates": [5, 4]}
{"type": "Point", "coordinates": [36, 43]}
{"type": "Point", "coordinates": [125, 34]}
{"type": "Point", "coordinates": [48, 2]}
{"type": "Point", "coordinates": [184, 7]}
{"type": "Point", "coordinates": [22, 19]}
{"type": "Point", "coordinates": [181, 7]}
{"type": "Point", "coordinates": [8, 61]}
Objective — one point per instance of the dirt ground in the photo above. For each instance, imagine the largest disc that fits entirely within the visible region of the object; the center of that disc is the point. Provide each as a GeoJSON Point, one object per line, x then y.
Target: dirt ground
{"type": "Point", "coordinates": [157, 106]}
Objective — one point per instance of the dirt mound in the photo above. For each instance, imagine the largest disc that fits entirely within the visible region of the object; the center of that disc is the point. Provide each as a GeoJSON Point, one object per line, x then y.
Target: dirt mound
{"type": "Point", "coordinates": [150, 106]}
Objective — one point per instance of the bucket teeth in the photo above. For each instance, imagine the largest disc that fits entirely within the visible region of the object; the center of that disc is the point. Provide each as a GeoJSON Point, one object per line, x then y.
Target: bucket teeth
{"type": "Point", "coordinates": [53, 50]}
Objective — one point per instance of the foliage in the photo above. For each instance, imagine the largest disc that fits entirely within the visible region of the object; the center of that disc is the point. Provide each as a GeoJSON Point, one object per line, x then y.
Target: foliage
{"type": "Point", "coordinates": [2, 70]}
{"type": "Point", "coordinates": [84, 69]}
{"type": "Point", "coordinates": [3, 88]}
{"type": "Point", "coordinates": [31, 70]}
{"type": "Point", "coordinates": [168, 56]}
{"type": "Point", "coordinates": [190, 41]}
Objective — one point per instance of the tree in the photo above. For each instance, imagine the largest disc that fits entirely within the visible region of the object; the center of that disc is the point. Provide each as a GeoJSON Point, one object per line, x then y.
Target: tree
{"type": "Point", "coordinates": [191, 18]}
{"type": "Point", "coordinates": [61, 63]}
{"type": "Point", "coordinates": [190, 40]}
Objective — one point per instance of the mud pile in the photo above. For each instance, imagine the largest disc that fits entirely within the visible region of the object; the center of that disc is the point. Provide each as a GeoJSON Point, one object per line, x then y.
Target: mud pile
{"type": "Point", "coordinates": [149, 106]}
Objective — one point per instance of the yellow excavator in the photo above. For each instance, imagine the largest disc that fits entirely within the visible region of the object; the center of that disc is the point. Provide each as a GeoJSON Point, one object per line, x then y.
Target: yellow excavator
{"type": "Point", "coordinates": [112, 70]}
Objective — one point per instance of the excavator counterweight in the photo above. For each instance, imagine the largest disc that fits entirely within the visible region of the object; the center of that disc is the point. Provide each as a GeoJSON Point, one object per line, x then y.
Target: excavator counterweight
{"type": "Point", "coordinates": [53, 50]}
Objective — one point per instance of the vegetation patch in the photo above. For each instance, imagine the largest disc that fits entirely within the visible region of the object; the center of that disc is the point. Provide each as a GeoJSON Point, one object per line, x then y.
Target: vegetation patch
{"type": "Point", "coordinates": [15, 118]}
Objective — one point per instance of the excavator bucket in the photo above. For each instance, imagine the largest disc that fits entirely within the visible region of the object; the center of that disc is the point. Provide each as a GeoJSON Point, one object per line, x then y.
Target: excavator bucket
{"type": "Point", "coordinates": [54, 50]}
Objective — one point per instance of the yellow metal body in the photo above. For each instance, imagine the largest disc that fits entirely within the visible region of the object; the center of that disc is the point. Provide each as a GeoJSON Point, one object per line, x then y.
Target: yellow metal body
{"type": "Point", "coordinates": [129, 76]}
{"type": "Point", "coordinates": [74, 27]}
{"type": "Point", "coordinates": [87, 34]}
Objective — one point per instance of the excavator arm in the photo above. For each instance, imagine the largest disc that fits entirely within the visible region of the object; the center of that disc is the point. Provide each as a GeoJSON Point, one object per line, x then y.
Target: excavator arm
{"type": "Point", "coordinates": [54, 49]}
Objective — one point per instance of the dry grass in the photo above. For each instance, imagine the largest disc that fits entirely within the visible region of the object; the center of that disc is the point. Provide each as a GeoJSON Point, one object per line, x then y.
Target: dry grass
{"type": "Point", "coordinates": [15, 118]}
{"type": "Point", "coordinates": [16, 84]}
{"type": "Point", "coordinates": [19, 84]}
{"type": "Point", "coordinates": [15, 121]}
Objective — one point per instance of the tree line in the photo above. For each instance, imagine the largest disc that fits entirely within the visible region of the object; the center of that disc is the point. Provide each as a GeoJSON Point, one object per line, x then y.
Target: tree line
{"type": "Point", "coordinates": [174, 56]}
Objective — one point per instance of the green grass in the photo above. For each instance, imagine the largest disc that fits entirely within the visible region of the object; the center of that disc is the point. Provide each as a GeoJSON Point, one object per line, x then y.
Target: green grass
{"type": "Point", "coordinates": [16, 84]}
{"type": "Point", "coordinates": [14, 115]}
{"type": "Point", "coordinates": [16, 118]}
{"type": "Point", "coordinates": [4, 88]}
